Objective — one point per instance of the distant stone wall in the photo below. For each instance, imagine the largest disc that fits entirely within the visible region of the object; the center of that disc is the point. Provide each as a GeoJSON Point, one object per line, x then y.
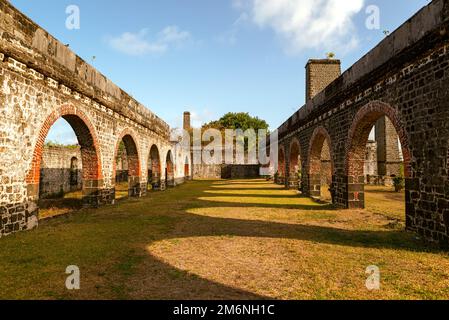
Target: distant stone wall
{"type": "Point", "coordinates": [204, 171]}
{"type": "Point", "coordinates": [121, 174]}
{"type": "Point", "coordinates": [224, 171]}
{"type": "Point", "coordinates": [240, 171]}
{"type": "Point", "coordinates": [326, 166]}
{"type": "Point", "coordinates": [61, 171]}
{"type": "Point", "coordinates": [371, 162]}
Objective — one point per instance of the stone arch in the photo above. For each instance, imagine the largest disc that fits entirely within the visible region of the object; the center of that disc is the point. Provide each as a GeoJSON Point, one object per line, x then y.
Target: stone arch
{"type": "Point", "coordinates": [295, 155]}
{"type": "Point", "coordinates": [295, 165]}
{"type": "Point", "coordinates": [132, 154]}
{"type": "Point", "coordinates": [281, 171]}
{"type": "Point", "coordinates": [357, 139]}
{"type": "Point", "coordinates": [170, 169]}
{"type": "Point", "coordinates": [154, 168]}
{"type": "Point", "coordinates": [90, 156]}
{"type": "Point", "coordinates": [320, 141]}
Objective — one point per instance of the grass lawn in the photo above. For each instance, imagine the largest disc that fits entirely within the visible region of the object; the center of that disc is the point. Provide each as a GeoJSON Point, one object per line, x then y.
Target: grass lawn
{"type": "Point", "coordinates": [225, 240]}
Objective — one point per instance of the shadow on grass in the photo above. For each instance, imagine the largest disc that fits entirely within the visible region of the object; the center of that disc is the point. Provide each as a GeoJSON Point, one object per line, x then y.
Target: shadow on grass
{"type": "Point", "coordinates": [143, 222]}
{"type": "Point", "coordinates": [62, 203]}
{"type": "Point", "coordinates": [212, 226]}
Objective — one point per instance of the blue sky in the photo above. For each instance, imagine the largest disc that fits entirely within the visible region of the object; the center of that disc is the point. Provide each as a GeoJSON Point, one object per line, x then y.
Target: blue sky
{"type": "Point", "coordinates": [212, 57]}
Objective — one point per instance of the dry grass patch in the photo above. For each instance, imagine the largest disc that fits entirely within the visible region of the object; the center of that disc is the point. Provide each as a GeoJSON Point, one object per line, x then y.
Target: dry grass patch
{"type": "Point", "coordinates": [225, 240]}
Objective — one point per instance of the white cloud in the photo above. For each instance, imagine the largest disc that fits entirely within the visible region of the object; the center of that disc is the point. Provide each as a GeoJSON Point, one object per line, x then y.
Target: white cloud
{"type": "Point", "coordinates": [306, 24]}
{"type": "Point", "coordinates": [139, 43]}
{"type": "Point", "coordinates": [172, 34]}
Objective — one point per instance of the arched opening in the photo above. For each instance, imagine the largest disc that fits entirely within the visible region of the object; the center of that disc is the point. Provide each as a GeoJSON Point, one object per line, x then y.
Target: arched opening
{"type": "Point", "coordinates": [393, 143]}
{"type": "Point", "coordinates": [295, 174]}
{"type": "Point", "coordinates": [127, 168]}
{"type": "Point", "coordinates": [321, 168]}
{"type": "Point", "coordinates": [187, 169]}
{"type": "Point", "coordinates": [280, 174]}
{"type": "Point", "coordinates": [154, 169]}
{"type": "Point", "coordinates": [170, 170]}
{"type": "Point", "coordinates": [66, 170]}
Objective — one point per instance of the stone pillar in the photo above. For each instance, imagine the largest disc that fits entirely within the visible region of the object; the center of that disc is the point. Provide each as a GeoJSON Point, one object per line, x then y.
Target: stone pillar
{"type": "Point", "coordinates": [355, 196]}
{"type": "Point", "coordinates": [94, 195]}
{"type": "Point", "coordinates": [23, 216]}
{"type": "Point", "coordinates": [163, 185]}
{"type": "Point", "coordinates": [315, 185]}
{"type": "Point", "coordinates": [136, 188]}
{"type": "Point", "coordinates": [293, 181]}
{"type": "Point", "coordinates": [156, 183]}
{"type": "Point", "coordinates": [389, 157]}
{"type": "Point", "coordinates": [326, 165]}
{"type": "Point", "coordinates": [371, 164]}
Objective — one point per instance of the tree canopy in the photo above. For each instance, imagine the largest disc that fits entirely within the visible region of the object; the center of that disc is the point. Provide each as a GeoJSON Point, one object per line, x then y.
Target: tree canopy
{"type": "Point", "coordinates": [240, 120]}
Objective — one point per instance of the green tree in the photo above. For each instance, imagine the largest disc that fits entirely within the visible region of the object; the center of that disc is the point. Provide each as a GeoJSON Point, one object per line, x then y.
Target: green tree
{"type": "Point", "coordinates": [240, 120]}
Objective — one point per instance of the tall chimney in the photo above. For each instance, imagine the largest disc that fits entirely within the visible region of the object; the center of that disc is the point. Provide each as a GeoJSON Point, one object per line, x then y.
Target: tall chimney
{"type": "Point", "coordinates": [187, 125]}
{"type": "Point", "coordinates": [319, 74]}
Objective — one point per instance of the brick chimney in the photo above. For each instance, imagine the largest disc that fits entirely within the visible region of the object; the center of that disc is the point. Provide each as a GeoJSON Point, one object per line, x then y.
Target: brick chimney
{"type": "Point", "coordinates": [319, 74]}
{"type": "Point", "coordinates": [187, 125]}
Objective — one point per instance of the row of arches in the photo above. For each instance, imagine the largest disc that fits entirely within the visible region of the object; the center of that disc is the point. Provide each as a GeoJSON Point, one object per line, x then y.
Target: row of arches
{"type": "Point", "coordinates": [161, 165]}
{"type": "Point", "coordinates": [318, 173]}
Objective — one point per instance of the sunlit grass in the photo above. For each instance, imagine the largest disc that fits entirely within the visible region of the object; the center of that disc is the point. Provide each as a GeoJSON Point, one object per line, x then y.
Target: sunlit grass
{"type": "Point", "coordinates": [121, 190]}
{"type": "Point", "coordinates": [213, 240]}
{"type": "Point", "coordinates": [290, 202]}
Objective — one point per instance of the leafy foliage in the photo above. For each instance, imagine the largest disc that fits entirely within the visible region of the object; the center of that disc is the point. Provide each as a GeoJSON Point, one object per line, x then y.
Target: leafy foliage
{"type": "Point", "coordinates": [60, 145]}
{"type": "Point", "coordinates": [240, 120]}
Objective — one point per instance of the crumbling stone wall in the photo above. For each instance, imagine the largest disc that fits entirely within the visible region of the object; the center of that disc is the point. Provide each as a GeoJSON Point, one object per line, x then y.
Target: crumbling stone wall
{"type": "Point", "coordinates": [388, 154]}
{"type": "Point", "coordinates": [207, 171]}
{"type": "Point", "coordinates": [371, 163]}
{"type": "Point", "coordinates": [41, 81]}
{"type": "Point", "coordinates": [406, 79]}
{"type": "Point", "coordinates": [61, 171]}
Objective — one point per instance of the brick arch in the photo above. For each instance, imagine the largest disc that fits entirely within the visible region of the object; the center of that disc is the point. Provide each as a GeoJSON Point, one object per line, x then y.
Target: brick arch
{"type": "Point", "coordinates": [358, 136]}
{"type": "Point", "coordinates": [295, 155]}
{"type": "Point", "coordinates": [132, 152]}
{"type": "Point", "coordinates": [319, 136]}
{"type": "Point", "coordinates": [169, 169]}
{"type": "Point", "coordinates": [360, 130]}
{"type": "Point", "coordinates": [154, 167]}
{"type": "Point", "coordinates": [155, 159]}
{"type": "Point", "coordinates": [282, 162]}
{"type": "Point", "coordinates": [87, 138]}
{"type": "Point", "coordinates": [316, 144]}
